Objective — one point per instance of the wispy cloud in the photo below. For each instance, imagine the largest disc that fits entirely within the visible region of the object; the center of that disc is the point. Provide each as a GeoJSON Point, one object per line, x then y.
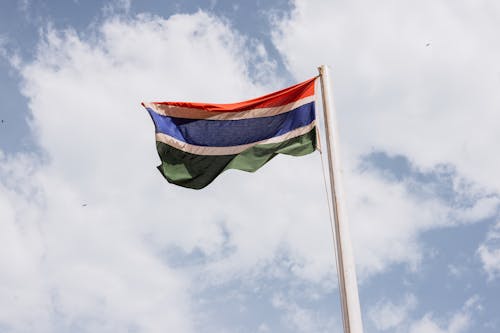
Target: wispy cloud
{"type": "Point", "coordinates": [489, 253]}
{"type": "Point", "coordinates": [300, 319]}
{"type": "Point", "coordinates": [117, 7]}
{"type": "Point", "coordinates": [387, 315]}
{"type": "Point", "coordinates": [399, 317]}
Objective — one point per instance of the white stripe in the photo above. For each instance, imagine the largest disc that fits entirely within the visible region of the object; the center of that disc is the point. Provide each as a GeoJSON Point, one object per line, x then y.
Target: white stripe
{"type": "Point", "coordinates": [194, 113]}
{"type": "Point", "coordinates": [230, 150]}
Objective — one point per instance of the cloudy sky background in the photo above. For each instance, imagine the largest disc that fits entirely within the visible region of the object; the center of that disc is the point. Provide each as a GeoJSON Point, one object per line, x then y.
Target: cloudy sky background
{"type": "Point", "coordinates": [94, 240]}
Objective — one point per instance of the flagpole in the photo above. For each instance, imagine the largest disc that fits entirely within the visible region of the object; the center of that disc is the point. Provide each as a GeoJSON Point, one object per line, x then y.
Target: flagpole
{"type": "Point", "coordinates": [348, 288]}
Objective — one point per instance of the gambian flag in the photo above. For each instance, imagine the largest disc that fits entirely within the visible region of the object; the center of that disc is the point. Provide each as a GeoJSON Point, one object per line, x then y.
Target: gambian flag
{"type": "Point", "coordinates": [198, 141]}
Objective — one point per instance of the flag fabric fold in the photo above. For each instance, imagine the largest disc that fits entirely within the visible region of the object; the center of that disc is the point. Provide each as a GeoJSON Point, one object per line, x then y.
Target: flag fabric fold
{"type": "Point", "coordinates": [198, 141]}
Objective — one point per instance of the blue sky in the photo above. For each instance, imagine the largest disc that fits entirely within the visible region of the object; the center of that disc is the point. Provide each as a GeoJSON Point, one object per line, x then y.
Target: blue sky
{"type": "Point", "coordinates": [95, 241]}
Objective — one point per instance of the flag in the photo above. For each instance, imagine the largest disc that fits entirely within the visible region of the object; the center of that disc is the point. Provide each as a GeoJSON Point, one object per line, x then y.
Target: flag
{"type": "Point", "coordinates": [198, 141]}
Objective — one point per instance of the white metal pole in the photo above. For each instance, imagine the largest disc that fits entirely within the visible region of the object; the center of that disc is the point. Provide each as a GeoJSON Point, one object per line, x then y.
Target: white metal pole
{"type": "Point", "coordinates": [348, 288]}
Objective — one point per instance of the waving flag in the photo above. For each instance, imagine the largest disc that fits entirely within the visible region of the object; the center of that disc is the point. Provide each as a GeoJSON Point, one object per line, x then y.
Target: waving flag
{"type": "Point", "coordinates": [198, 141]}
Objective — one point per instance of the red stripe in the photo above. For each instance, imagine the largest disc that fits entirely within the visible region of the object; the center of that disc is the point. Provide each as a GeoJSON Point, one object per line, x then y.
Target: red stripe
{"type": "Point", "coordinates": [278, 98]}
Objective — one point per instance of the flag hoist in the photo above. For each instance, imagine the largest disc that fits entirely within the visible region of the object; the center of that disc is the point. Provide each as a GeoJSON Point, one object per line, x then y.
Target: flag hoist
{"type": "Point", "coordinates": [196, 142]}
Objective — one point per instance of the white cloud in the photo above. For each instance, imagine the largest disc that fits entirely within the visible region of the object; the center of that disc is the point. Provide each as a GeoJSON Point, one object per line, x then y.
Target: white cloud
{"type": "Point", "coordinates": [397, 317]}
{"type": "Point", "coordinates": [491, 260]}
{"type": "Point", "coordinates": [300, 319]}
{"type": "Point", "coordinates": [433, 104]}
{"type": "Point", "coordinates": [457, 324]}
{"type": "Point", "coordinates": [85, 228]}
{"type": "Point", "coordinates": [387, 315]}
{"type": "Point", "coordinates": [64, 267]}
{"type": "Point", "coordinates": [387, 221]}
{"type": "Point", "coordinates": [23, 300]}
{"type": "Point", "coordinates": [489, 253]}
{"type": "Point", "coordinates": [483, 208]}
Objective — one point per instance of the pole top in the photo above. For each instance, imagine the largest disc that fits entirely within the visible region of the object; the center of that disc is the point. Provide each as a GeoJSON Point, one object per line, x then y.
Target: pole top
{"type": "Point", "coordinates": [322, 69]}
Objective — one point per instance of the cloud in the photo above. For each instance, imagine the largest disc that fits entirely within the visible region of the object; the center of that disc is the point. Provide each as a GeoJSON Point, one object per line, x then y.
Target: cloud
{"type": "Point", "coordinates": [86, 224]}
{"type": "Point", "coordinates": [458, 323]}
{"type": "Point", "coordinates": [387, 315]}
{"type": "Point", "coordinates": [435, 105]}
{"type": "Point", "coordinates": [116, 7]}
{"type": "Point", "coordinates": [489, 253]}
{"type": "Point", "coordinates": [300, 319]}
{"type": "Point", "coordinates": [398, 317]}
{"type": "Point", "coordinates": [64, 267]}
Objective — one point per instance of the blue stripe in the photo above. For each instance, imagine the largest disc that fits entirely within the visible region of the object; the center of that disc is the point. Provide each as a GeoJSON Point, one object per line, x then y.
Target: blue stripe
{"type": "Point", "coordinates": [223, 133]}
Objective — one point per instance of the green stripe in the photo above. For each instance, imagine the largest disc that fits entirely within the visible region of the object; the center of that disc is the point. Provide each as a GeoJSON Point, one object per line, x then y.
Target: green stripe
{"type": "Point", "coordinates": [197, 171]}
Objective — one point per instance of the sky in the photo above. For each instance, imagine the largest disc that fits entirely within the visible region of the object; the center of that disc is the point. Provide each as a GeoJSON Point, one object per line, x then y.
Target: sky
{"type": "Point", "coordinates": [94, 240]}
